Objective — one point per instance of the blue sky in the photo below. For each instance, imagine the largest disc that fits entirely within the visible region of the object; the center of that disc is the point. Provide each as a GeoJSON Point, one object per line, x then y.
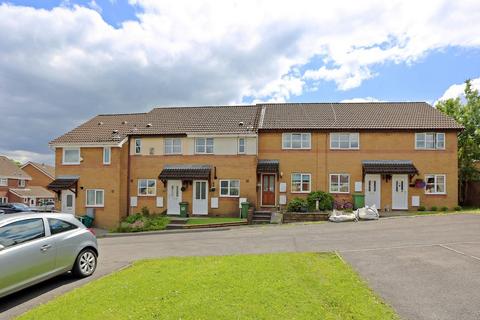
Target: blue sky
{"type": "Point", "coordinates": [63, 62]}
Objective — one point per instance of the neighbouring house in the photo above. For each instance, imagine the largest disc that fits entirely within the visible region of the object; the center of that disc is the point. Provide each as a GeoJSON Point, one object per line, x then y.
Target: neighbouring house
{"type": "Point", "coordinates": [15, 185]}
{"type": "Point", "coordinates": [42, 174]}
{"type": "Point", "coordinates": [399, 155]}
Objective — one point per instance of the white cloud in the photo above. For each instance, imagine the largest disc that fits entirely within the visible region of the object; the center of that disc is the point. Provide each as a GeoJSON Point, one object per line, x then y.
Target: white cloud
{"type": "Point", "coordinates": [94, 5]}
{"type": "Point", "coordinates": [24, 156]}
{"type": "Point", "coordinates": [457, 90]}
{"type": "Point", "coordinates": [366, 99]}
{"type": "Point", "coordinates": [64, 65]}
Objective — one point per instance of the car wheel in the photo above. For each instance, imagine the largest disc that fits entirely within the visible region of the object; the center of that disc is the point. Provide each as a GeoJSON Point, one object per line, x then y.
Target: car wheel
{"type": "Point", "coordinates": [85, 264]}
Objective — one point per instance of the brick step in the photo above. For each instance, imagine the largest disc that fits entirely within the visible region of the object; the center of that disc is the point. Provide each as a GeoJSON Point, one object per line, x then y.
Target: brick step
{"type": "Point", "coordinates": [263, 212]}
{"type": "Point", "coordinates": [261, 216]}
{"type": "Point", "coordinates": [260, 221]}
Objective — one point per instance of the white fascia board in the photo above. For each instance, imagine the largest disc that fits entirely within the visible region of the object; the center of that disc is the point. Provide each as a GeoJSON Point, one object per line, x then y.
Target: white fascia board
{"type": "Point", "coordinates": [89, 144]}
{"type": "Point", "coordinates": [220, 135]}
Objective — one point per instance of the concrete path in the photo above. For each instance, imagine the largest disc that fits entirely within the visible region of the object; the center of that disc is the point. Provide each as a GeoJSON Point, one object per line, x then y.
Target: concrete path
{"type": "Point", "coordinates": [426, 267]}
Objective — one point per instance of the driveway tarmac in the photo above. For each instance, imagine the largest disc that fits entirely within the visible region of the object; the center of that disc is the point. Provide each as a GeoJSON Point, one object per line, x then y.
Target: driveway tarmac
{"type": "Point", "coordinates": [425, 267]}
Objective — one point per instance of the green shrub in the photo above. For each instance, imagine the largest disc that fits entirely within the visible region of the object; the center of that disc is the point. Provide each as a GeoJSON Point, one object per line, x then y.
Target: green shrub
{"type": "Point", "coordinates": [457, 208]}
{"type": "Point", "coordinates": [139, 222]}
{"type": "Point", "coordinates": [444, 209]}
{"type": "Point", "coordinates": [421, 208]}
{"type": "Point", "coordinates": [325, 201]}
{"type": "Point", "coordinates": [434, 208]}
{"type": "Point", "coordinates": [297, 205]}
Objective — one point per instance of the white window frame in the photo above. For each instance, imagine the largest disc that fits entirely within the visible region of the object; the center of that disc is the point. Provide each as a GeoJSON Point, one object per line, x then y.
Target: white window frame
{"type": "Point", "coordinates": [95, 205]}
{"type": "Point", "coordinates": [148, 194]}
{"type": "Point", "coordinates": [3, 182]}
{"type": "Point", "coordinates": [242, 144]}
{"type": "Point", "coordinates": [338, 182]}
{"type": "Point", "coordinates": [229, 188]}
{"type": "Point", "coordinates": [172, 151]}
{"type": "Point", "coordinates": [71, 163]}
{"type": "Point", "coordinates": [21, 183]}
{"type": "Point", "coordinates": [107, 151]}
{"type": "Point", "coordinates": [137, 144]}
{"type": "Point", "coordinates": [351, 139]}
{"type": "Point", "coordinates": [289, 146]}
{"type": "Point", "coordinates": [434, 139]}
{"type": "Point", "coordinates": [3, 200]}
{"type": "Point", "coordinates": [302, 175]}
{"type": "Point", "coordinates": [435, 183]}
{"type": "Point", "coordinates": [204, 145]}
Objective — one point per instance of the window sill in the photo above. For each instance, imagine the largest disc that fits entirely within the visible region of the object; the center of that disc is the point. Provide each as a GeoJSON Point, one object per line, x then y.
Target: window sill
{"type": "Point", "coordinates": [300, 192]}
{"type": "Point", "coordinates": [339, 192]}
{"type": "Point", "coordinates": [233, 197]}
{"type": "Point", "coordinates": [146, 195]}
{"type": "Point", "coordinates": [90, 206]}
{"type": "Point", "coordinates": [345, 149]}
{"type": "Point", "coordinates": [70, 163]}
{"type": "Point", "coordinates": [435, 194]}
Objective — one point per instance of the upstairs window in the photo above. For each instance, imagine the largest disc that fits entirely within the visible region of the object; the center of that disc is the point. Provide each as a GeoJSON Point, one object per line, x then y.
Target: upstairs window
{"type": "Point", "coordinates": [430, 140]}
{"type": "Point", "coordinates": [21, 183]}
{"type": "Point", "coordinates": [344, 140]}
{"type": "Point", "coordinates": [107, 151]}
{"type": "Point", "coordinates": [203, 145]}
{"type": "Point", "coordinates": [435, 184]}
{"type": "Point", "coordinates": [71, 155]}
{"type": "Point", "coordinates": [138, 146]}
{"type": "Point", "coordinates": [241, 145]}
{"type": "Point", "coordinates": [147, 187]}
{"type": "Point", "coordinates": [173, 146]}
{"type": "Point", "coordinates": [296, 141]}
{"type": "Point", "coordinates": [3, 182]}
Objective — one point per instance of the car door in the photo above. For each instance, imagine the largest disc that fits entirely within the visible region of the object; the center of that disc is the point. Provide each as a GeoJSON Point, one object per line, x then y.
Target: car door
{"type": "Point", "coordinates": [65, 237]}
{"type": "Point", "coordinates": [26, 255]}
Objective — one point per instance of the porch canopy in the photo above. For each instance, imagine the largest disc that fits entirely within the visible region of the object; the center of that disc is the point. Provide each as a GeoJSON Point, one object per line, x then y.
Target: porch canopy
{"type": "Point", "coordinates": [268, 166]}
{"type": "Point", "coordinates": [64, 183]}
{"type": "Point", "coordinates": [186, 172]}
{"type": "Point", "coordinates": [385, 167]}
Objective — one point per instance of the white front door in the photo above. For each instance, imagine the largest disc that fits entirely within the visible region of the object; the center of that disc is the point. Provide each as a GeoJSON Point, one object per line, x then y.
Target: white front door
{"type": "Point", "coordinates": [174, 196]}
{"type": "Point", "coordinates": [372, 190]}
{"type": "Point", "coordinates": [68, 202]}
{"type": "Point", "coordinates": [200, 200]}
{"type": "Point", "coordinates": [400, 192]}
{"type": "Point", "coordinates": [31, 202]}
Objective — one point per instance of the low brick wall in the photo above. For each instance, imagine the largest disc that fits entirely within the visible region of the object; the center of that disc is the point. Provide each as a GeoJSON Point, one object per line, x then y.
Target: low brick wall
{"type": "Point", "coordinates": [307, 216]}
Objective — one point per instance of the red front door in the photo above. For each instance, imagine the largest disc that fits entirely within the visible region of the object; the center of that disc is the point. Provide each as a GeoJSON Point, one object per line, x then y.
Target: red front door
{"type": "Point", "coordinates": [268, 190]}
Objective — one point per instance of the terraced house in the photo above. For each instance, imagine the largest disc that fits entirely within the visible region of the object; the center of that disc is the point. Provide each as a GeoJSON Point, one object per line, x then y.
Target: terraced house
{"type": "Point", "coordinates": [400, 155]}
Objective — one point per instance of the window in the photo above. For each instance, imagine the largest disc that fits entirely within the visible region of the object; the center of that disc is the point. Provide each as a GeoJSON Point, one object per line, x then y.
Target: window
{"type": "Point", "coordinates": [203, 145]}
{"type": "Point", "coordinates": [430, 140]}
{"type": "Point", "coordinates": [147, 187]}
{"type": "Point", "coordinates": [339, 183]}
{"type": "Point", "coordinates": [71, 155]}
{"type": "Point", "coordinates": [59, 226]}
{"type": "Point", "coordinates": [138, 146]}
{"type": "Point", "coordinates": [435, 184]}
{"type": "Point", "coordinates": [296, 140]}
{"type": "Point", "coordinates": [173, 146]}
{"type": "Point", "coordinates": [3, 182]}
{"type": "Point", "coordinates": [21, 231]}
{"type": "Point", "coordinates": [241, 145]}
{"type": "Point", "coordinates": [94, 198]}
{"type": "Point", "coordinates": [3, 200]}
{"type": "Point", "coordinates": [301, 182]}
{"type": "Point", "coordinates": [107, 152]}
{"type": "Point", "coordinates": [21, 183]}
{"type": "Point", "coordinates": [229, 188]}
{"type": "Point", "coordinates": [342, 140]}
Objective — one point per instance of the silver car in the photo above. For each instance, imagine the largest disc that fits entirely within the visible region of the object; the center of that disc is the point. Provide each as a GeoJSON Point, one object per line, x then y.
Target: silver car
{"type": "Point", "coordinates": [38, 246]}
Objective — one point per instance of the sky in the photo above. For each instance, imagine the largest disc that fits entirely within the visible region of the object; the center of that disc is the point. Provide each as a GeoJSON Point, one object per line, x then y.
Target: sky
{"type": "Point", "coordinates": [63, 62]}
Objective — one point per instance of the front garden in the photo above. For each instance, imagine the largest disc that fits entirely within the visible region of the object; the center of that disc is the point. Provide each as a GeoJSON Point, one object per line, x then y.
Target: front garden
{"type": "Point", "coordinates": [270, 286]}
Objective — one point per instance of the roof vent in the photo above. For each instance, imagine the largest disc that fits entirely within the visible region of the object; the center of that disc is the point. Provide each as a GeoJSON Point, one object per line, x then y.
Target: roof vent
{"type": "Point", "coordinates": [124, 122]}
{"type": "Point", "coordinates": [241, 123]}
{"type": "Point", "coordinates": [114, 131]}
{"type": "Point", "coordinates": [100, 123]}
{"type": "Point", "coordinates": [149, 125]}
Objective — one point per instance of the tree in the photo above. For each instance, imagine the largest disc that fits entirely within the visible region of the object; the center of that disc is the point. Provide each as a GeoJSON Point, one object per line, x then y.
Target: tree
{"type": "Point", "coordinates": [466, 111]}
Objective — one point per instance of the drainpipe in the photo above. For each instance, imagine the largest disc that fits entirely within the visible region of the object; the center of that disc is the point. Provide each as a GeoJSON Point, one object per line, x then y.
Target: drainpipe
{"type": "Point", "coordinates": [128, 176]}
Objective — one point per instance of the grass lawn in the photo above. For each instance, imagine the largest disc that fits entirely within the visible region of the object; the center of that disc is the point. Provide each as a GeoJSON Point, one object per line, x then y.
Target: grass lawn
{"type": "Point", "coordinates": [209, 220]}
{"type": "Point", "coordinates": [271, 286]}
{"type": "Point", "coordinates": [464, 210]}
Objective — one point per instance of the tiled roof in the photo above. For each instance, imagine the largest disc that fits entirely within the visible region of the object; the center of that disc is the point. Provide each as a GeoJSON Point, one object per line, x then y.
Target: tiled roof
{"type": "Point", "coordinates": [63, 184]}
{"type": "Point", "coordinates": [9, 169]}
{"type": "Point", "coordinates": [185, 172]}
{"type": "Point", "coordinates": [104, 129]}
{"type": "Point", "coordinates": [268, 166]}
{"type": "Point", "coordinates": [371, 115]}
{"type": "Point", "coordinates": [33, 191]}
{"type": "Point", "coordinates": [389, 166]}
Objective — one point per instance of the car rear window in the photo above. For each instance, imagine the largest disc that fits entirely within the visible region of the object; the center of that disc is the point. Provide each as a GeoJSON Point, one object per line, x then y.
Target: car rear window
{"type": "Point", "coordinates": [59, 226]}
{"type": "Point", "coordinates": [21, 231]}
